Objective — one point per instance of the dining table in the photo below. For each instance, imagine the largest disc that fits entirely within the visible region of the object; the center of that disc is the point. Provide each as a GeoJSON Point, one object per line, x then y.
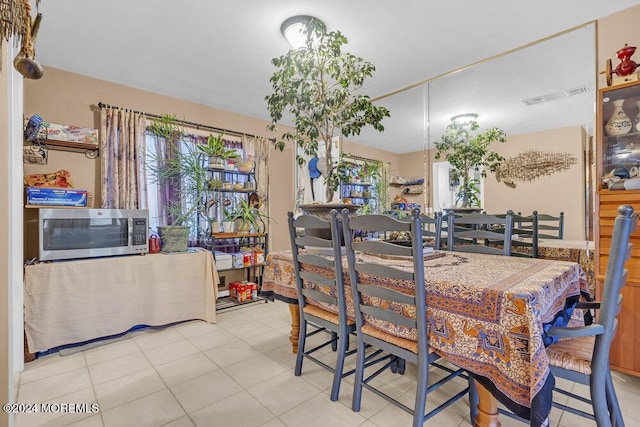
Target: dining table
{"type": "Point", "coordinates": [574, 250]}
{"type": "Point", "coordinates": [487, 313]}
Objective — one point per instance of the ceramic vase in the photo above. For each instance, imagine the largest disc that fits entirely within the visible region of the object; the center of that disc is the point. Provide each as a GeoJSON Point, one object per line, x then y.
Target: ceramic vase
{"type": "Point", "coordinates": [637, 120]}
{"type": "Point", "coordinates": [619, 123]}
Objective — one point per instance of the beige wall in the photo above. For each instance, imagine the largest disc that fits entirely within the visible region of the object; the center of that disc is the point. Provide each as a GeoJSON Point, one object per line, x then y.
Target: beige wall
{"type": "Point", "coordinates": [63, 97]}
{"type": "Point", "coordinates": [550, 194]}
{"type": "Point", "coordinates": [68, 98]}
{"type": "Point", "coordinates": [559, 192]}
{"type": "Point", "coordinates": [5, 369]}
{"type": "Point", "coordinates": [613, 32]}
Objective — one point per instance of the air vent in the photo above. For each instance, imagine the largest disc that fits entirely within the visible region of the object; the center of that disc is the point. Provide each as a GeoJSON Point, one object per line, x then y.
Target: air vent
{"type": "Point", "coordinates": [556, 95]}
{"type": "Point", "coordinates": [535, 101]}
{"type": "Point", "coordinates": [576, 91]}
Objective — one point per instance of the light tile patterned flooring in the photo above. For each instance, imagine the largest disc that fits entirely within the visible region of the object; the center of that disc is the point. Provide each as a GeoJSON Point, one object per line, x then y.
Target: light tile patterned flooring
{"type": "Point", "coordinates": [238, 372]}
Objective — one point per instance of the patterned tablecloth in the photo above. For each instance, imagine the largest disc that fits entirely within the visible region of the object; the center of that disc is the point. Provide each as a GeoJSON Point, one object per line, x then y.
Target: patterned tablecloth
{"type": "Point", "coordinates": [486, 313]}
{"type": "Point", "coordinates": [579, 251]}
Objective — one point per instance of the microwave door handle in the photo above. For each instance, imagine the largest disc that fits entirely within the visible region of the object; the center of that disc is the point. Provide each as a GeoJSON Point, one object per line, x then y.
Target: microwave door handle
{"type": "Point", "coordinates": [130, 233]}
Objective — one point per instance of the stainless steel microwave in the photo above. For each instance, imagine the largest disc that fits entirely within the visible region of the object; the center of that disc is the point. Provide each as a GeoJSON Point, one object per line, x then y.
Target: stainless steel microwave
{"type": "Point", "coordinates": [68, 233]}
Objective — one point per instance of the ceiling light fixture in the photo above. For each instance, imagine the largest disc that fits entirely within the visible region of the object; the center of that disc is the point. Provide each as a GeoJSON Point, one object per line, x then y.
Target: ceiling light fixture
{"type": "Point", "coordinates": [294, 29]}
{"type": "Point", "coordinates": [464, 118]}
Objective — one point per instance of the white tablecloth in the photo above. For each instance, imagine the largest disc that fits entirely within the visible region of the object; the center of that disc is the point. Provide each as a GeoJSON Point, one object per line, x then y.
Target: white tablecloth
{"type": "Point", "coordinates": [73, 301]}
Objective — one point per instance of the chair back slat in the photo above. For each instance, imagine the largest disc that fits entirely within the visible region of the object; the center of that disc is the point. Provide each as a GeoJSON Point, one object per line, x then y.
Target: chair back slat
{"type": "Point", "coordinates": [317, 278]}
{"type": "Point", "coordinates": [386, 293]}
{"type": "Point", "coordinates": [318, 296]}
{"type": "Point", "coordinates": [478, 234]}
{"type": "Point", "coordinates": [388, 316]}
{"type": "Point", "coordinates": [313, 241]}
{"type": "Point", "coordinates": [376, 222]}
{"type": "Point", "coordinates": [310, 222]}
{"type": "Point", "coordinates": [381, 248]}
{"type": "Point", "coordinates": [383, 271]}
{"type": "Point", "coordinates": [477, 249]}
{"type": "Point", "coordinates": [316, 260]}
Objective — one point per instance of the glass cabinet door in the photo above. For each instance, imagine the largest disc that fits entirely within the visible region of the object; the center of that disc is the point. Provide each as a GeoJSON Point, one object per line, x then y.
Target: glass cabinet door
{"type": "Point", "coordinates": [620, 134]}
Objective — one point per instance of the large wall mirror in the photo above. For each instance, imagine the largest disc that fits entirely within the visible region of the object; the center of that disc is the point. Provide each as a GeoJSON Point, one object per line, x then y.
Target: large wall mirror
{"type": "Point", "coordinates": [542, 96]}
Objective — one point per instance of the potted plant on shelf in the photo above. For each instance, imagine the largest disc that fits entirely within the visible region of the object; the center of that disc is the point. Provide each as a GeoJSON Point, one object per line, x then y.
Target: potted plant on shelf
{"type": "Point", "coordinates": [468, 150]}
{"type": "Point", "coordinates": [319, 85]}
{"type": "Point", "coordinates": [218, 154]}
{"type": "Point", "coordinates": [246, 217]}
{"type": "Point", "coordinates": [179, 169]}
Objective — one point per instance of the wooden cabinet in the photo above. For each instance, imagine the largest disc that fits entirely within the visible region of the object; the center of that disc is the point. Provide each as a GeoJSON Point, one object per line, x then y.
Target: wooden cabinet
{"type": "Point", "coordinates": [618, 150]}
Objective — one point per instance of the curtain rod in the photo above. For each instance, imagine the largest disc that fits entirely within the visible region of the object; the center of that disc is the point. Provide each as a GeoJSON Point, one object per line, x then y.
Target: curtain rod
{"type": "Point", "coordinates": [198, 126]}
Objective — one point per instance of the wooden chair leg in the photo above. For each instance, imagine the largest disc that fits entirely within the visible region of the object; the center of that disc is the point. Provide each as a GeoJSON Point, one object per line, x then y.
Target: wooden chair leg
{"type": "Point", "coordinates": [295, 327]}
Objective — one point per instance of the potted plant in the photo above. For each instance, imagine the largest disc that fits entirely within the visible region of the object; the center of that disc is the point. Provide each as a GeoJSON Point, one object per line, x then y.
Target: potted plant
{"type": "Point", "coordinates": [179, 169]}
{"type": "Point", "coordinates": [218, 154]}
{"type": "Point", "coordinates": [246, 217]}
{"type": "Point", "coordinates": [468, 150]}
{"type": "Point", "coordinates": [319, 85]}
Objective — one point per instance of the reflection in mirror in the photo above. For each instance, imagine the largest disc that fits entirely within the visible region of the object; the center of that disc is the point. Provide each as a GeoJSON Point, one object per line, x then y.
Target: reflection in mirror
{"type": "Point", "coordinates": [542, 96]}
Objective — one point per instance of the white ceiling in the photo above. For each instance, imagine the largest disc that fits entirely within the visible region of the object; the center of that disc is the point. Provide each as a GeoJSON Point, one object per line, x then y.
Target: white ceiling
{"type": "Point", "coordinates": [218, 53]}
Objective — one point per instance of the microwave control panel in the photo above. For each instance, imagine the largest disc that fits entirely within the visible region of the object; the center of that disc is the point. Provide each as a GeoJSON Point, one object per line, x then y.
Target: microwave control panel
{"type": "Point", "coordinates": [139, 231]}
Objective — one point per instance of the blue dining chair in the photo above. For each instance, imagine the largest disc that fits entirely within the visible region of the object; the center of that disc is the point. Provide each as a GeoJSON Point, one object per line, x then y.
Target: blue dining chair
{"type": "Point", "coordinates": [377, 302]}
{"type": "Point", "coordinates": [474, 233]}
{"type": "Point", "coordinates": [525, 228]}
{"type": "Point", "coordinates": [431, 228]}
{"type": "Point", "coordinates": [315, 246]}
{"type": "Point", "coordinates": [550, 226]}
{"type": "Point", "coordinates": [582, 353]}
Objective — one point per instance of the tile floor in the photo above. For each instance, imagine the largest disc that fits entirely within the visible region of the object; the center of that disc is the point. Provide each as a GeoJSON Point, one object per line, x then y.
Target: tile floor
{"type": "Point", "coordinates": [238, 372]}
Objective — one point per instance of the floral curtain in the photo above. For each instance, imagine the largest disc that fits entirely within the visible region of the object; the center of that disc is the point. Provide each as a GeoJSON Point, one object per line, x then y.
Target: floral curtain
{"type": "Point", "coordinates": [123, 182]}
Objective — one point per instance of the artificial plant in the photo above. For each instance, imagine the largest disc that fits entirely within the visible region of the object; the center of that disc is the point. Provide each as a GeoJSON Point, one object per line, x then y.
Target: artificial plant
{"type": "Point", "coordinates": [319, 86]}
{"type": "Point", "coordinates": [468, 150]}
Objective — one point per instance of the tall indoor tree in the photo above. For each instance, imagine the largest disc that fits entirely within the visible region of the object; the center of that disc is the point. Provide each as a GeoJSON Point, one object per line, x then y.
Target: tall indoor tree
{"type": "Point", "coordinates": [319, 86]}
{"type": "Point", "coordinates": [468, 150]}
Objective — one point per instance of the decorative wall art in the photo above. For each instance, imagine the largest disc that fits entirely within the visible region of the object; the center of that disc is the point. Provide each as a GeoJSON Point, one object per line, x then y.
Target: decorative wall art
{"type": "Point", "coordinates": [533, 164]}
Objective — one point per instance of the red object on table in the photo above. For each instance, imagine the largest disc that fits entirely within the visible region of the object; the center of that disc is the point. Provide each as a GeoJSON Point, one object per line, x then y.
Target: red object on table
{"type": "Point", "coordinates": [154, 244]}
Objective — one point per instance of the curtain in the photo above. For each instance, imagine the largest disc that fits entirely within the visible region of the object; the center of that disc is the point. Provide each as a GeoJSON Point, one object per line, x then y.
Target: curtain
{"type": "Point", "coordinates": [123, 181]}
{"type": "Point", "coordinates": [258, 147]}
